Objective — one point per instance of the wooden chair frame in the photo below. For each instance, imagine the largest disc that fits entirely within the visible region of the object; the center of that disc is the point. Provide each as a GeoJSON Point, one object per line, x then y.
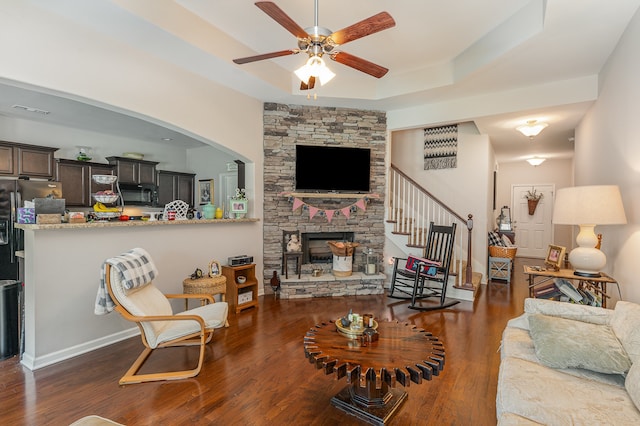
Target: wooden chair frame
{"type": "Point", "coordinates": [415, 285]}
{"type": "Point", "coordinates": [200, 338]}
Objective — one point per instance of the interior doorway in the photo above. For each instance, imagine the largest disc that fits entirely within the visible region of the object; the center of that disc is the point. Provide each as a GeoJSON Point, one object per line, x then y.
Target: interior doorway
{"type": "Point", "coordinates": [534, 232]}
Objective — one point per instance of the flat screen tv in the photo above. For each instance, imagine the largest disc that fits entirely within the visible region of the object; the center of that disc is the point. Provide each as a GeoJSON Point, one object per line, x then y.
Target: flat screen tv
{"type": "Point", "coordinates": [332, 169]}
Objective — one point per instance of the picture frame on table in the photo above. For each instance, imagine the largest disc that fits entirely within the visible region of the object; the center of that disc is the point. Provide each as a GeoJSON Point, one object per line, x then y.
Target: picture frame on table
{"type": "Point", "coordinates": [215, 270]}
{"type": "Point", "coordinates": [555, 257]}
{"type": "Point", "coordinates": [205, 191]}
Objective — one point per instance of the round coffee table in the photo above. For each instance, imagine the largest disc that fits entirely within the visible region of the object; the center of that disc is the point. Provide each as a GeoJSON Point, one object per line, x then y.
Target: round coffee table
{"type": "Point", "coordinates": [402, 354]}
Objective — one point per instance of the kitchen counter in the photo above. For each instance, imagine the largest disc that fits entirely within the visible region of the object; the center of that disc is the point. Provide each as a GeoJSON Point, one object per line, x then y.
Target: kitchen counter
{"type": "Point", "coordinates": [112, 224]}
{"type": "Point", "coordinates": [62, 265]}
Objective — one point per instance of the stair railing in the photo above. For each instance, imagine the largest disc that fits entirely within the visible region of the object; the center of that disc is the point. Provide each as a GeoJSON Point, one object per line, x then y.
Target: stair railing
{"type": "Point", "coordinates": [412, 208]}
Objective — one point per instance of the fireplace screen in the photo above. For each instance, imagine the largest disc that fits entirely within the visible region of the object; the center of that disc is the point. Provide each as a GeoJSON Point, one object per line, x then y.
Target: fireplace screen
{"type": "Point", "coordinates": [315, 248]}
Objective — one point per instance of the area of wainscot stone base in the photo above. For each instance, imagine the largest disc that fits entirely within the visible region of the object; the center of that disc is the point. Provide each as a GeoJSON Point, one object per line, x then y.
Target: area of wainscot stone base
{"type": "Point", "coordinates": [328, 285]}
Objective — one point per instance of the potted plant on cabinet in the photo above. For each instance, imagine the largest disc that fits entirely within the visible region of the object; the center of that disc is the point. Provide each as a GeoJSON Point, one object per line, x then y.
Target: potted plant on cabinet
{"type": "Point", "coordinates": [533, 198]}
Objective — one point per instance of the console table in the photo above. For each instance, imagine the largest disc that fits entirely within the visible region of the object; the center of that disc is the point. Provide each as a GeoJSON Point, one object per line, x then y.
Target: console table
{"type": "Point", "coordinates": [539, 276]}
{"type": "Point", "coordinates": [402, 354]}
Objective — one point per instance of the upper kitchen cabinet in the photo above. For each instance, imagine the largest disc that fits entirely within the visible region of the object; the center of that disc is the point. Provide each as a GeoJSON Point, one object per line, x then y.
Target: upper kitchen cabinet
{"type": "Point", "coordinates": [175, 186]}
{"type": "Point", "coordinates": [26, 160]}
{"type": "Point", "coordinates": [77, 184]}
{"type": "Point", "coordinates": [134, 171]}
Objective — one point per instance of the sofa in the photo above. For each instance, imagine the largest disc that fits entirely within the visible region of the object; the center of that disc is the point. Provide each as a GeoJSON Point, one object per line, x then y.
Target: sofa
{"type": "Point", "coordinates": [570, 364]}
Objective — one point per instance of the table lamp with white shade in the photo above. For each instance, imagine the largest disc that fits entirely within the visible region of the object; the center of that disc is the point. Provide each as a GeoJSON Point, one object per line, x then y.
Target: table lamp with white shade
{"type": "Point", "coordinates": [588, 206]}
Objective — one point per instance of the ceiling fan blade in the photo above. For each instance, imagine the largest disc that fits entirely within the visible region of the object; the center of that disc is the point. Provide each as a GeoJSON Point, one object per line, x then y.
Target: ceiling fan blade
{"type": "Point", "coordinates": [359, 64]}
{"type": "Point", "coordinates": [282, 18]}
{"type": "Point", "coordinates": [265, 56]}
{"type": "Point", "coordinates": [308, 86]}
{"type": "Point", "coordinates": [371, 25]}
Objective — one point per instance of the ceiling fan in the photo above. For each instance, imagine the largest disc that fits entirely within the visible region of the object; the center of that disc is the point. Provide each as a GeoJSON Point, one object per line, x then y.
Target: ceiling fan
{"type": "Point", "coordinates": [317, 41]}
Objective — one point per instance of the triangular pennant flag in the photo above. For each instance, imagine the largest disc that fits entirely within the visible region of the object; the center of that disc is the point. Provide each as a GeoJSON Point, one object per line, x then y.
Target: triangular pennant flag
{"type": "Point", "coordinates": [346, 211]}
{"type": "Point", "coordinates": [360, 203]}
{"type": "Point", "coordinates": [329, 214]}
{"type": "Point", "coordinates": [312, 211]}
{"type": "Point", "coordinates": [297, 202]}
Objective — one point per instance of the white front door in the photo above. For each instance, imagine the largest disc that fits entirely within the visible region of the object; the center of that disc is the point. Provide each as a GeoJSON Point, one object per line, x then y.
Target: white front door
{"type": "Point", "coordinates": [534, 232]}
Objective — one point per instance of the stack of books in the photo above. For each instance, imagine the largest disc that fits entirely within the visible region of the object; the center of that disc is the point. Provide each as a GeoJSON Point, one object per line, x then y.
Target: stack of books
{"type": "Point", "coordinates": [563, 290]}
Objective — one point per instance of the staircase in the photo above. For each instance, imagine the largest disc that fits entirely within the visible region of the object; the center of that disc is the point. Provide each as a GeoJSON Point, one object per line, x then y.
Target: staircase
{"type": "Point", "coordinates": [410, 210]}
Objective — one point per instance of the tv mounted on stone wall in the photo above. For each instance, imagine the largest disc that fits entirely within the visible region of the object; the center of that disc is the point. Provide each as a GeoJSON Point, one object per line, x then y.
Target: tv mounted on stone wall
{"type": "Point", "coordinates": [321, 168]}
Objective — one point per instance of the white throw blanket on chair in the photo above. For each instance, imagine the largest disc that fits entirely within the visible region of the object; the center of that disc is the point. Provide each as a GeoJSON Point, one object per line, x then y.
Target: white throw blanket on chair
{"type": "Point", "coordinates": [135, 268]}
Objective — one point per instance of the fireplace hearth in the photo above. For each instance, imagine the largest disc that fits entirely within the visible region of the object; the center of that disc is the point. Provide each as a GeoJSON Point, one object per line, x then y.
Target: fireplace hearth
{"type": "Point", "coordinates": [315, 248]}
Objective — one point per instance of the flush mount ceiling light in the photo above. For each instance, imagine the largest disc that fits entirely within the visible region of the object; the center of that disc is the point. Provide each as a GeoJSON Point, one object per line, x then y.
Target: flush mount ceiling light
{"type": "Point", "coordinates": [532, 128]}
{"type": "Point", "coordinates": [535, 161]}
{"type": "Point", "coordinates": [315, 67]}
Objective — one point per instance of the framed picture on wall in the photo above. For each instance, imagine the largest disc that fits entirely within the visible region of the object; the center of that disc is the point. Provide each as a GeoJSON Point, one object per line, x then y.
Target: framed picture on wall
{"type": "Point", "coordinates": [205, 191]}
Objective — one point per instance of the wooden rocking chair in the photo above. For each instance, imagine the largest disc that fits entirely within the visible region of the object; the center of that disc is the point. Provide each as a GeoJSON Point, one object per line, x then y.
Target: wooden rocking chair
{"type": "Point", "coordinates": [159, 326]}
{"type": "Point", "coordinates": [426, 277]}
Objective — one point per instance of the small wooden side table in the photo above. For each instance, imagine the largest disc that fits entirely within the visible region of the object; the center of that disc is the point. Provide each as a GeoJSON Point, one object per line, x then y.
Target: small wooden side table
{"type": "Point", "coordinates": [597, 284]}
{"type": "Point", "coordinates": [205, 285]}
{"type": "Point", "coordinates": [500, 269]}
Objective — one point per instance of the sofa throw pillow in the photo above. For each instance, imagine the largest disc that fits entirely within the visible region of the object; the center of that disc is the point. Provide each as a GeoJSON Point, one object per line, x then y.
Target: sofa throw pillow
{"type": "Point", "coordinates": [565, 343]}
{"type": "Point", "coordinates": [495, 240]}
{"type": "Point", "coordinates": [625, 322]}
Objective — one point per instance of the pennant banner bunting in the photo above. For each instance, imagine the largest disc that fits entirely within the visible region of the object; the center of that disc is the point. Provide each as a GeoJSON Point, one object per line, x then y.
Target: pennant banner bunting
{"type": "Point", "coordinates": [297, 202]}
{"type": "Point", "coordinates": [329, 213]}
{"type": "Point", "coordinates": [313, 211]}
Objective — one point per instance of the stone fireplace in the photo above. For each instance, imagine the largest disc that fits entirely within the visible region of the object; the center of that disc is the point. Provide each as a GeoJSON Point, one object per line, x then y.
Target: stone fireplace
{"type": "Point", "coordinates": [315, 248]}
{"type": "Point", "coordinates": [288, 125]}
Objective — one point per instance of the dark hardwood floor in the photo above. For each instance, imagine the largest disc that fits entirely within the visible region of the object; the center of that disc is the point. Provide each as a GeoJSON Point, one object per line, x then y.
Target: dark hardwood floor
{"type": "Point", "coordinates": [255, 372]}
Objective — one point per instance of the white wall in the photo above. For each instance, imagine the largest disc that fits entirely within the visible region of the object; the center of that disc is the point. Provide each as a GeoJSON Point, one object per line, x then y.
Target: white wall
{"type": "Point", "coordinates": [607, 151]}
{"type": "Point", "coordinates": [558, 172]}
{"type": "Point", "coordinates": [66, 58]}
{"type": "Point", "coordinates": [170, 156]}
{"type": "Point", "coordinates": [465, 189]}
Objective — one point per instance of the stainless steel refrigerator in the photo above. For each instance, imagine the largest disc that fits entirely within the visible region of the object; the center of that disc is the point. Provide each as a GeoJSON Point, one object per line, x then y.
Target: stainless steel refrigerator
{"type": "Point", "coordinates": [12, 195]}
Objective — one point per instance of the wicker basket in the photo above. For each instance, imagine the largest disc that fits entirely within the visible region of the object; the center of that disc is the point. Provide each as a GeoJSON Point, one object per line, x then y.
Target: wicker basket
{"type": "Point", "coordinates": [504, 252]}
{"type": "Point", "coordinates": [206, 285]}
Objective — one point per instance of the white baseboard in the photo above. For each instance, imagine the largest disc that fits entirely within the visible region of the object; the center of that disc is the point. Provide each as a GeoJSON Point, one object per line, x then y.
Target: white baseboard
{"type": "Point", "coordinates": [44, 360]}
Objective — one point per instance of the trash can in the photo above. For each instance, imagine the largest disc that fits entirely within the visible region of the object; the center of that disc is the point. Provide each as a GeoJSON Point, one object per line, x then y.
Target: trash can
{"type": "Point", "coordinates": [9, 307]}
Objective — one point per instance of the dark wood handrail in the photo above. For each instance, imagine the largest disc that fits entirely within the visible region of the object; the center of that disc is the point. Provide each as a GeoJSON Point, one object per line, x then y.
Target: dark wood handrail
{"type": "Point", "coordinates": [436, 199]}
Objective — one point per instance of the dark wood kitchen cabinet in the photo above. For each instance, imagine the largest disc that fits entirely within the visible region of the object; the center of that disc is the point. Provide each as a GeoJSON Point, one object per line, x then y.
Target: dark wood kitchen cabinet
{"type": "Point", "coordinates": [26, 160]}
{"type": "Point", "coordinates": [134, 171]}
{"type": "Point", "coordinates": [175, 186]}
{"type": "Point", "coordinates": [77, 184]}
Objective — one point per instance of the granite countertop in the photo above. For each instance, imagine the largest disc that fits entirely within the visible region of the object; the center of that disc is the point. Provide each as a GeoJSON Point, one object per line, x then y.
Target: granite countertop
{"type": "Point", "coordinates": [130, 223]}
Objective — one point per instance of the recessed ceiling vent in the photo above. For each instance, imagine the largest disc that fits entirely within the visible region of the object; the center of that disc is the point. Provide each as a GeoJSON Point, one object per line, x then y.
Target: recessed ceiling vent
{"type": "Point", "coordinates": [30, 109]}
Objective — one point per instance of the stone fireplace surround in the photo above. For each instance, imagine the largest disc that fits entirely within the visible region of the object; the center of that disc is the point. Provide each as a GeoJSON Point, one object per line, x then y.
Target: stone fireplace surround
{"type": "Point", "coordinates": [288, 125]}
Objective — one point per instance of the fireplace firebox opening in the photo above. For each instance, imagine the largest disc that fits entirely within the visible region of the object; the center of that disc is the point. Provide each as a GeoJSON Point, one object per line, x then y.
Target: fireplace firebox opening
{"type": "Point", "coordinates": [315, 248]}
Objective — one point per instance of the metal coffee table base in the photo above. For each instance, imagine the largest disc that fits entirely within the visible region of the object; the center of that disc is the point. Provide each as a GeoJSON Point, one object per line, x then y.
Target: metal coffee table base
{"type": "Point", "coordinates": [377, 409]}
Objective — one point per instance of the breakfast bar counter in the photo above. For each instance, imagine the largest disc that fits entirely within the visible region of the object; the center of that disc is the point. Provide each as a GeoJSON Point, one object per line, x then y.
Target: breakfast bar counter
{"type": "Point", "coordinates": [126, 223]}
{"type": "Point", "coordinates": [62, 271]}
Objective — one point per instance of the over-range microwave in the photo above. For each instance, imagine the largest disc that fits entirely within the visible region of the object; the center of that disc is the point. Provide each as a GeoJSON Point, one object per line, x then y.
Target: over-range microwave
{"type": "Point", "coordinates": [144, 194]}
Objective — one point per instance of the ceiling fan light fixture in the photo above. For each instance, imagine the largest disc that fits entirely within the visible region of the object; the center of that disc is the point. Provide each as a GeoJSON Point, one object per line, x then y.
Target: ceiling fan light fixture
{"type": "Point", "coordinates": [532, 128]}
{"type": "Point", "coordinates": [315, 67]}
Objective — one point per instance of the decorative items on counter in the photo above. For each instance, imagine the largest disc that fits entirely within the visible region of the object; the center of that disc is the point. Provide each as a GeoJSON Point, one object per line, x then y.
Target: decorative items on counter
{"type": "Point", "coordinates": [26, 215]}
